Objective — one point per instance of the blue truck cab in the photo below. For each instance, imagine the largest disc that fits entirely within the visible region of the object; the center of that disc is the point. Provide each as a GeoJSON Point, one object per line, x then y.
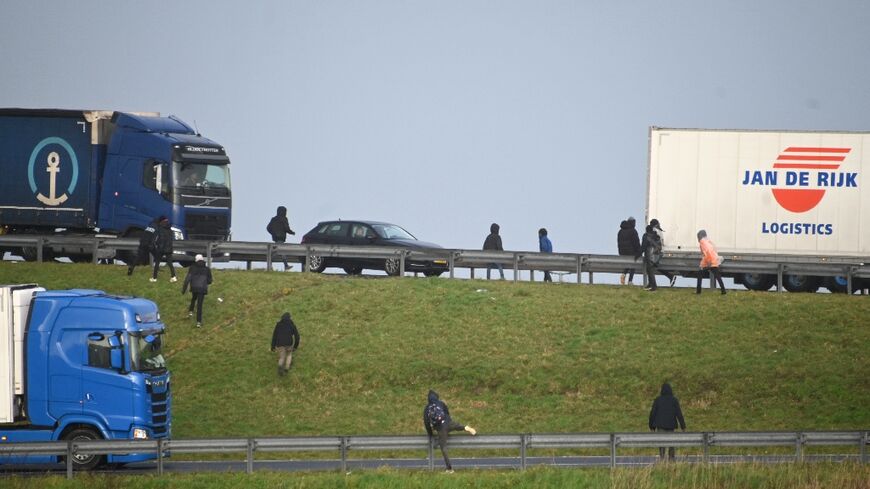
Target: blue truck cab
{"type": "Point", "coordinates": [109, 172]}
{"type": "Point", "coordinates": [81, 364]}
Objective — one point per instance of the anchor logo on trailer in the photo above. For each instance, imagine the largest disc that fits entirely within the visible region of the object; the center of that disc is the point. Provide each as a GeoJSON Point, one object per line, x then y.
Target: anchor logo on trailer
{"type": "Point", "coordinates": [53, 162]}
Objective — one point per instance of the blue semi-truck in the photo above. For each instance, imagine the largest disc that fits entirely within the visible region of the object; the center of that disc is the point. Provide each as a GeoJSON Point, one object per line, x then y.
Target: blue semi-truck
{"type": "Point", "coordinates": [108, 172]}
{"type": "Point", "coordinates": [80, 365]}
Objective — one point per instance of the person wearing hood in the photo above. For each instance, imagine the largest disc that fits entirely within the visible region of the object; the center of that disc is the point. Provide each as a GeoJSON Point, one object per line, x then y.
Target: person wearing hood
{"type": "Point", "coordinates": [545, 246]}
{"type": "Point", "coordinates": [279, 228]}
{"type": "Point", "coordinates": [664, 416]}
{"type": "Point", "coordinates": [710, 261]}
{"type": "Point", "coordinates": [285, 339]}
{"type": "Point", "coordinates": [162, 249]}
{"type": "Point", "coordinates": [651, 249]}
{"type": "Point", "coordinates": [436, 419]}
{"type": "Point", "coordinates": [198, 279]}
{"type": "Point", "coordinates": [147, 240]}
{"type": "Point", "coordinates": [628, 244]}
{"type": "Point", "coordinates": [493, 242]}
{"type": "Point", "coordinates": [657, 227]}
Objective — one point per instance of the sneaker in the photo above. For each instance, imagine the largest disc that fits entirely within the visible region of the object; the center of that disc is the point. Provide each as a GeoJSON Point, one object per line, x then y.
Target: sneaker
{"type": "Point", "coordinates": [622, 279]}
{"type": "Point", "coordinates": [471, 430]}
{"type": "Point", "coordinates": [190, 314]}
{"type": "Point", "coordinates": [651, 289]}
{"type": "Point", "coordinates": [723, 292]}
{"type": "Point", "coordinates": [152, 279]}
{"type": "Point", "coordinates": [129, 272]}
{"type": "Point", "coordinates": [673, 280]}
{"type": "Point", "coordinates": [198, 325]}
{"type": "Point", "coordinates": [448, 471]}
{"type": "Point", "coordinates": [174, 279]}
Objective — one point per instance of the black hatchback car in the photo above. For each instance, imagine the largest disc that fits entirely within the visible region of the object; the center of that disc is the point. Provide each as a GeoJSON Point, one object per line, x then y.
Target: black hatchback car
{"type": "Point", "coordinates": [368, 233]}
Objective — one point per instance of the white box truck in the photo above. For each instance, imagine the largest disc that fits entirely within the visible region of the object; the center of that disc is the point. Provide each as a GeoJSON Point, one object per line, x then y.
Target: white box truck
{"type": "Point", "coordinates": [763, 193]}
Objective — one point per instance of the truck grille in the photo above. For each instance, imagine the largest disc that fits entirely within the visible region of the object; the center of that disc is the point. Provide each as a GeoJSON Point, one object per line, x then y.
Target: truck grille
{"type": "Point", "coordinates": [160, 408]}
{"type": "Point", "coordinates": [207, 227]}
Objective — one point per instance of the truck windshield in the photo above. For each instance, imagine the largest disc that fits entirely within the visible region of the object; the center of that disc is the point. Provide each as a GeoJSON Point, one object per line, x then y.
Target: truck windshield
{"type": "Point", "coordinates": [200, 175]}
{"type": "Point", "coordinates": [146, 351]}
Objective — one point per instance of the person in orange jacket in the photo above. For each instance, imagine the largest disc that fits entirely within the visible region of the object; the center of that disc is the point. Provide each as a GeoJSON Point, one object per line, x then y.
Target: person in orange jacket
{"type": "Point", "coordinates": [710, 262]}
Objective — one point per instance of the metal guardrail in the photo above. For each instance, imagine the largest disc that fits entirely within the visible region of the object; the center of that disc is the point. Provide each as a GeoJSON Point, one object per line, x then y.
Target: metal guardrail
{"type": "Point", "coordinates": [99, 247]}
{"type": "Point", "coordinates": [611, 442]}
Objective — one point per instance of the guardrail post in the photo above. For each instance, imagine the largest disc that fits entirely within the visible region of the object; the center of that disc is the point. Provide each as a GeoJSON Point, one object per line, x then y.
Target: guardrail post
{"type": "Point", "coordinates": [579, 269]}
{"type": "Point", "coordinates": [39, 250]}
{"type": "Point", "coordinates": [779, 270]}
{"type": "Point", "coordinates": [450, 262]}
{"type": "Point", "coordinates": [865, 440]}
{"type": "Point", "coordinates": [798, 444]}
{"type": "Point", "coordinates": [524, 440]}
{"type": "Point", "coordinates": [208, 248]}
{"type": "Point", "coordinates": [269, 257]}
{"type": "Point", "coordinates": [94, 259]}
{"type": "Point", "coordinates": [612, 450]}
{"type": "Point", "coordinates": [472, 273]}
{"type": "Point", "coordinates": [307, 260]}
{"type": "Point", "coordinates": [706, 447]}
{"type": "Point", "coordinates": [250, 457]}
{"type": "Point", "coordinates": [401, 264]}
{"type": "Point", "coordinates": [591, 278]}
{"type": "Point", "coordinates": [516, 267]}
{"type": "Point", "coordinates": [431, 453]}
{"type": "Point", "coordinates": [343, 449]}
{"type": "Point", "coordinates": [849, 280]}
{"type": "Point", "coordinates": [69, 462]}
{"type": "Point", "coordinates": [160, 456]}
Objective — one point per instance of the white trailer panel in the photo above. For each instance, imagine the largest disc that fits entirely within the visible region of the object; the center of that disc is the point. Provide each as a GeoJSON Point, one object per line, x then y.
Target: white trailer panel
{"type": "Point", "coordinates": [15, 303]}
{"type": "Point", "coordinates": [769, 192]}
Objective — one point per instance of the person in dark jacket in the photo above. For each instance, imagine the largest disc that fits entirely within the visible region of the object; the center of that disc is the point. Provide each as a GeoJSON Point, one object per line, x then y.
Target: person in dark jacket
{"type": "Point", "coordinates": [198, 279]}
{"type": "Point", "coordinates": [546, 246]}
{"type": "Point", "coordinates": [493, 242]}
{"type": "Point", "coordinates": [657, 227]}
{"type": "Point", "coordinates": [146, 242]}
{"type": "Point", "coordinates": [436, 419]}
{"type": "Point", "coordinates": [651, 249]}
{"type": "Point", "coordinates": [162, 250]}
{"type": "Point", "coordinates": [285, 339]}
{"type": "Point", "coordinates": [279, 228]}
{"type": "Point", "coordinates": [664, 416]}
{"type": "Point", "coordinates": [629, 245]}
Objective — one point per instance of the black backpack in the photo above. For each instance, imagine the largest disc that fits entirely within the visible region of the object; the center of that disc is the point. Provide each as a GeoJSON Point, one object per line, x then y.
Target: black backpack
{"type": "Point", "coordinates": [435, 414]}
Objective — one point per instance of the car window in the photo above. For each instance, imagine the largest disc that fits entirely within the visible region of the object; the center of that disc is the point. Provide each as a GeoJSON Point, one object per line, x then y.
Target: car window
{"type": "Point", "coordinates": [391, 231]}
{"type": "Point", "coordinates": [361, 231]}
{"type": "Point", "coordinates": [338, 229]}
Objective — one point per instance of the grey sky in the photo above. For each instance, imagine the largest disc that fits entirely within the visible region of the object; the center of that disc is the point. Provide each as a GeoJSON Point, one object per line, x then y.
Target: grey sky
{"type": "Point", "coordinates": [445, 116]}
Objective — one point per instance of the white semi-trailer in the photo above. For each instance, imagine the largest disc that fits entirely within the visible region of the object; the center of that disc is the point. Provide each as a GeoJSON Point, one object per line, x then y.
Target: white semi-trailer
{"type": "Point", "coordinates": [763, 193]}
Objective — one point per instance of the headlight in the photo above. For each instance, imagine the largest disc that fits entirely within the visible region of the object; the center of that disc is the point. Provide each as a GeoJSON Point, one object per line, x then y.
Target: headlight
{"type": "Point", "coordinates": [177, 235]}
{"type": "Point", "coordinates": [140, 434]}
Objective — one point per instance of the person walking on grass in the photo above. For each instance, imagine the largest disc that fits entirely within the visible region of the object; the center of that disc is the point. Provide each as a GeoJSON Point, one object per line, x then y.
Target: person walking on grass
{"type": "Point", "coordinates": [546, 246]}
{"type": "Point", "coordinates": [285, 340]}
{"type": "Point", "coordinates": [279, 228]}
{"type": "Point", "coordinates": [436, 419]}
{"type": "Point", "coordinates": [147, 240]}
{"type": "Point", "coordinates": [628, 244]}
{"type": "Point", "coordinates": [493, 242]}
{"type": "Point", "coordinates": [162, 250]}
{"type": "Point", "coordinates": [710, 261]}
{"type": "Point", "coordinates": [664, 416]}
{"type": "Point", "coordinates": [198, 279]}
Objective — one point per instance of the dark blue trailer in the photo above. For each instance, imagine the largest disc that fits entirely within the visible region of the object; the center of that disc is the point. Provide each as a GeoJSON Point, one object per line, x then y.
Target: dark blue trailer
{"type": "Point", "coordinates": [87, 171]}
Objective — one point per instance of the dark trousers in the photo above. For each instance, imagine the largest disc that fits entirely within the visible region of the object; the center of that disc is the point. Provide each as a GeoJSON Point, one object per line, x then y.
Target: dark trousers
{"type": "Point", "coordinates": [650, 274]}
{"type": "Point", "coordinates": [442, 438]}
{"type": "Point", "coordinates": [672, 452]}
{"type": "Point", "coordinates": [281, 241]}
{"type": "Point", "coordinates": [158, 257]}
{"type": "Point", "coordinates": [547, 277]}
{"type": "Point", "coordinates": [717, 275]}
{"type": "Point", "coordinates": [630, 272]}
{"type": "Point", "coordinates": [196, 298]}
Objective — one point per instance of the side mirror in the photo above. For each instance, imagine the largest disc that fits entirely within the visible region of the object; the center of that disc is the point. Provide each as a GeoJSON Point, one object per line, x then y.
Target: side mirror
{"type": "Point", "coordinates": [116, 356]}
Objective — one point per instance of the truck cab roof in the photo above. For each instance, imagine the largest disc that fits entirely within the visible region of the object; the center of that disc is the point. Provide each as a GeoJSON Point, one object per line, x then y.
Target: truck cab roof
{"type": "Point", "coordinates": [142, 313]}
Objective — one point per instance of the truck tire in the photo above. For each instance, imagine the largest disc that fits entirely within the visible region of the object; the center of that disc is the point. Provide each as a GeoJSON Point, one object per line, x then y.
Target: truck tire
{"type": "Point", "coordinates": [800, 283]}
{"type": "Point", "coordinates": [84, 462]}
{"type": "Point", "coordinates": [758, 281]}
{"type": "Point", "coordinates": [839, 284]}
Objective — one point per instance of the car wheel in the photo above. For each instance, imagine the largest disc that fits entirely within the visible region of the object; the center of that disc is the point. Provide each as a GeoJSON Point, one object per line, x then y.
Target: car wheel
{"type": "Point", "coordinates": [316, 263]}
{"type": "Point", "coordinates": [354, 270]}
{"type": "Point", "coordinates": [84, 462]}
{"type": "Point", "coordinates": [392, 266]}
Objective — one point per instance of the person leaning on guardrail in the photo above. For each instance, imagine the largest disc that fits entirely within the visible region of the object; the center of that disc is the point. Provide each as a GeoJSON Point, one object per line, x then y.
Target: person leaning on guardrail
{"type": "Point", "coordinates": [493, 242]}
{"type": "Point", "coordinates": [436, 417]}
{"type": "Point", "coordinates": [546, 246]}
{"type": "Point", "coordinates": [710, 261]}
{"type": "Point", "coordinates": [628, 244]}
{"type": "Point", "coordinates": [664, 416]}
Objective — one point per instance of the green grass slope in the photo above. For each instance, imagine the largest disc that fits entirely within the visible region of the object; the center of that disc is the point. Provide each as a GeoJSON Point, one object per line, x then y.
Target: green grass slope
{"type": "Point", "coordinates": [526, 357]}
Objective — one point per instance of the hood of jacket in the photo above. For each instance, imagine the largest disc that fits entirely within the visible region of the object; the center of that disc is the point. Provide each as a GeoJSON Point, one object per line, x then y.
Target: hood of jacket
{"type": "Point", "coordinates": [666, 390]}
{"type": "Point", "coordinates": [285, 317]}
{"type": "Point", "coordinates": [433, 396]}
{"type": "Point", "coordinates": [624, 225]}
{"type": "Point", "coordinates": [493, 228]}
{"type": "Point", "coordinates": [282, 211]}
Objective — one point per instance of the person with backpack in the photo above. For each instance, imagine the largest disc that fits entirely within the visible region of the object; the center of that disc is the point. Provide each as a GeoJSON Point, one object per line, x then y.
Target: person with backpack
{"type": "Point", "coordinates": [657, 227]}
{"type": "Point", "coordinates": [162, 249]}
{"type": "Point", "coordinates": [436, 419]}
{"type": "Point", "coordinates": [651, 249]}
{"type": "Point", "coordinates": [710, 261]}
{"type": "Point", "coordinates": [279, 228]}
{"type": "Point", "coordinates": [545, 246]}
{"type": "Point", "coordinates": [285, 339]}
{"type": "Point", "coordinates": [493, 242]}
{"type": "Point", "coordinates": [628, 244]}
{"type": "Point", "coordinates": [664, 416]}
{"type": "Point", "coordinates": [198, 279]}
{"type": "Point", "coordinates": [146, 244]}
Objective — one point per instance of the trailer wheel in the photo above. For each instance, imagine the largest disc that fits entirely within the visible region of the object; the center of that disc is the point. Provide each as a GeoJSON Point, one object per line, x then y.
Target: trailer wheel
{"type": "Point", "coordinates": [84, 462]}
{"type": "Point", "coordinates": [800, 283]}
{"type": "Point", "coordinates": [758, 281]}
